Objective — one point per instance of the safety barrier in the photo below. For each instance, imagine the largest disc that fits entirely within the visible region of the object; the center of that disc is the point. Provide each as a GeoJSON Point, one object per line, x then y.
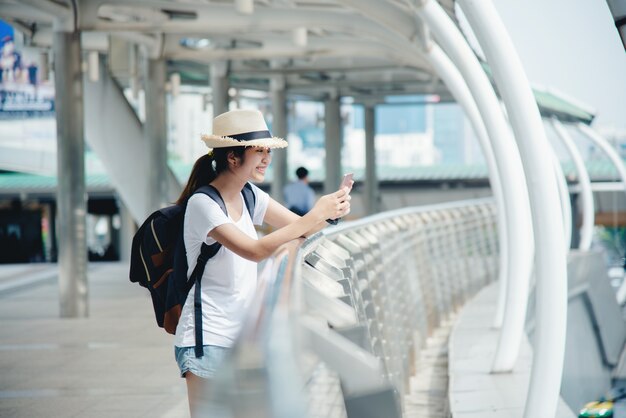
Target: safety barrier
{"type": "Point", "coordinates": [340, 317]}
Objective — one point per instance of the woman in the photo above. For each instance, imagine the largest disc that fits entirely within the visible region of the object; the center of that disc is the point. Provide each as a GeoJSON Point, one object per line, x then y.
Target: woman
{"type": "Point", "coordinates": [240, 152]}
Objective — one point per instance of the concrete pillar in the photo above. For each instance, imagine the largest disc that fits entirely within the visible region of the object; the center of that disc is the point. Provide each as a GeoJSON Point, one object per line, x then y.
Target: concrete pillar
{"type": "Point", "coordinates": [333, 143]}
{"type": "Point", "coordinates": [371, 180]}
{"type": "Point", "coordinates": [127, 230]}
{"type": "Point", "coordinates": [219, 86]}
{"type": "Point", "coordinates": [71, 193]}
{"type": "Point", "coordinates": [155, 133]}
{"type": "Point", "coordinates": [279, 129]}
{"type": "Point", "coordinates": [44, 66]}
{"type": "Point", "coordinates": [134, 60]}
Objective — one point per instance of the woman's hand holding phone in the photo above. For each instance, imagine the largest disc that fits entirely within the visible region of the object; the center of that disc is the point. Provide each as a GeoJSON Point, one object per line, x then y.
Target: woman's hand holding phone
{"type": "Point", "coordinates": [346, 183]}
{"type": "Point", "coordinates": [333, 205]}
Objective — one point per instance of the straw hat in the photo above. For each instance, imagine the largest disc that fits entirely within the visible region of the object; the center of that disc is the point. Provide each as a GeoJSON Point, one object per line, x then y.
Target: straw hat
{"type": "Point", "coordinates": [241, 128]}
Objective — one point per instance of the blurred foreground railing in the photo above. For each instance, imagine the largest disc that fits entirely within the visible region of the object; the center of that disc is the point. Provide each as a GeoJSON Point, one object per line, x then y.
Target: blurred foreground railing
{"type": "Point", "coordinates": [339, 318]}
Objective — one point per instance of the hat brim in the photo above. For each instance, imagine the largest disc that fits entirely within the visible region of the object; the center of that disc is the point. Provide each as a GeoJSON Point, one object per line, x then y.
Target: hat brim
{"type": "Point", "coordinates": [215, 141]}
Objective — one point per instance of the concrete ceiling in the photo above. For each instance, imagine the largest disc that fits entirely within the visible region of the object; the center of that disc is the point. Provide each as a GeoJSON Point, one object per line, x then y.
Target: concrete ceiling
{"type": "Point", "coordinates": [315, 47]}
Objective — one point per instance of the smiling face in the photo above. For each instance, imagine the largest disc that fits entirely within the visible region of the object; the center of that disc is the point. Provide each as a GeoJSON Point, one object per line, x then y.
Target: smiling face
{"type": "Point", "coordinates": [255, 163]}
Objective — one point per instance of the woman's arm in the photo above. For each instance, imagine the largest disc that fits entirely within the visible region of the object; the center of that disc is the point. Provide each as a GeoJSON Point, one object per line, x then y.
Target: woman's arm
{"type": "Point", "coordinates": [279, 216]}
{"type": "Point", "coordinates": [333, 205]}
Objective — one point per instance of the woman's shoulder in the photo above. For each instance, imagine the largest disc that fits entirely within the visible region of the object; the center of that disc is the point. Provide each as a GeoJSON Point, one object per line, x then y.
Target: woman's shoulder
{"type": "Point", "coordinates": [201, 201]}
{"type": "Point", "coordinates": [198, 199]}
{"type": "Point", "coordinates": [204, 213]}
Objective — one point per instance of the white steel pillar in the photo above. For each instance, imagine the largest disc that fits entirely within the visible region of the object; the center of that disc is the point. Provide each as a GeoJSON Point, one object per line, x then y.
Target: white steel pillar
{"type": "Point", "coordinates": [219, 87]}
{"type": "Point", "coordinates": [607, 148]}
{"type": "Point", "coordinates": [71, 192]}
{"type": "Point", "coordinates": [551, 262]}
{"type": "Point", "coordinates": [520, 234]}
{"type": "Point", "coordinates": [586, 194]}
{"type": "Point", "coordinates": [333, 142]}
{"type": "Point", "coordinates": [566, 203]}
{"type": "Point", "coordinates": [127, 230]}
{"type": "Point", "coordinates": [155, 133]}
{"type": "Point", "coordinates": [394, 20]}
{"type": "Point", "coordinates": [457, 86]}
{"type": "Point", "coordinates": [371, 180]}
{"type": "Point", "coordinates": [279, 129]}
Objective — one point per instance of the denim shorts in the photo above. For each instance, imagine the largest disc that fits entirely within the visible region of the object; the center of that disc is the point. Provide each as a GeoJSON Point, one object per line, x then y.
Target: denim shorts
{"type": "Point", "coordinates": [204, 366]}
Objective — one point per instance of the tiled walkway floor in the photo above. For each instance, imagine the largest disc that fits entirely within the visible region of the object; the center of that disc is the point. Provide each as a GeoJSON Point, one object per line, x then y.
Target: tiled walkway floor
{"type": "Point", "coordinates": [115, 363]}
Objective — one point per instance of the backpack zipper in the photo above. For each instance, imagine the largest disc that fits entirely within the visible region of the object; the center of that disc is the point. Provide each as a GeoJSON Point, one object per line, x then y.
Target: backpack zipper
{"type": "Point", "coordinates": [144, 263]}
{"type": "Point", "coordinates": [155, 236]}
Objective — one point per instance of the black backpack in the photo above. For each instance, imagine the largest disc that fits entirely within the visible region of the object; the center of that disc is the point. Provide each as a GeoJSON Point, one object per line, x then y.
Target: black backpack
{"type": "Point", "coordinates": [158, 262]}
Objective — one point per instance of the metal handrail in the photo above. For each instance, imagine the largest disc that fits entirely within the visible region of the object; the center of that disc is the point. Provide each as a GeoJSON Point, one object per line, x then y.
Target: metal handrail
{"type": "Point", "coordinates": [339, 318]}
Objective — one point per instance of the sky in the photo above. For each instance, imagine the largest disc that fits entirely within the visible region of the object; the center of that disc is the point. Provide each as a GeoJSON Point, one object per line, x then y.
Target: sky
{"type": "Point", "coordinates": [571, 46]}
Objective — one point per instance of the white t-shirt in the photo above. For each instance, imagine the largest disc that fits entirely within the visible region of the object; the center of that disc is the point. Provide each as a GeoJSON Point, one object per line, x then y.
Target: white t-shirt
{"type": "Point", "coordinates": [229, 281]}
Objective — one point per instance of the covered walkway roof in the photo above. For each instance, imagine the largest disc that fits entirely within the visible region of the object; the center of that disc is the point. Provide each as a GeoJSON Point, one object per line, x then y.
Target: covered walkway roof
{"type": "Point", "coordinates": [315, 48]}
{"type": "Point", "coordinates": [319, 46]}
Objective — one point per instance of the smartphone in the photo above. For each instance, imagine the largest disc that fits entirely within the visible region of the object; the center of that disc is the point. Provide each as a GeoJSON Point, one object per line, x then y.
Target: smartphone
{"type": "Point", "coordinates": [347, 179]}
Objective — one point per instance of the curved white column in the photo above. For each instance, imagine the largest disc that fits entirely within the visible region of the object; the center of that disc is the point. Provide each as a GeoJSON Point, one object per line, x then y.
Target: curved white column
{"type": "Point", "coordinates": [607, 148]}
{"type": "Point", "coordinates": [520, 237]}
{"type": "Point", "coordinates": [551, 264]}
{"type": "Point", "coordinates": [395, 21]}
{"type": "Point", "coordinates": [452, 78]}
{"type": "Point", "coordinates": [586, 195]}
{"type": "Point", "coordinates": [566, 206]}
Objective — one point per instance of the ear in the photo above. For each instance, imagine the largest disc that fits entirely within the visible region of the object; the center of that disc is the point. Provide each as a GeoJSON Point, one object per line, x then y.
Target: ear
{"type": "Point", "coordinates": [232, 158]}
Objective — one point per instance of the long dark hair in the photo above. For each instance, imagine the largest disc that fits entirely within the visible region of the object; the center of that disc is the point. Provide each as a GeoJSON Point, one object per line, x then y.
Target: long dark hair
{"type": "Point", "coordinates": [207, 168]}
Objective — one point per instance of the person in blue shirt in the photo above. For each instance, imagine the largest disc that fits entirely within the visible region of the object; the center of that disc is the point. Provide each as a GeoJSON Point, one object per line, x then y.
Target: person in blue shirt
{"type": "Point", "coordinates": [299, 196]}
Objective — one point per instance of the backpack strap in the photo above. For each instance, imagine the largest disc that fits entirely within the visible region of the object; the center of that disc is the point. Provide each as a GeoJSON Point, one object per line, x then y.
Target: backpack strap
{"type": "Point", "coordinates": [206, 253]}
{"type": "Point", "coordinates": [250, 198]}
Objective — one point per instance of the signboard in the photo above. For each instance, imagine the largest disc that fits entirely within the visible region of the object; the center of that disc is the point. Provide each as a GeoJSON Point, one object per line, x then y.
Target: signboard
{"type": "Point", "coordinates": [22, 92]}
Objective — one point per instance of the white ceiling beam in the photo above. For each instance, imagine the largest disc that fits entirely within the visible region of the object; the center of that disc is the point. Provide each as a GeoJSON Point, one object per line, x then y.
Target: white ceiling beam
{"type": "Point", "coordinates": [25, 13]}
{"type": "Point", "coordinates": [97, 41]}
{"type": "Point", "coordinates": [213, 19]}
{"type": "Point", "coordinates": [54, 9]}
{"type": "Point", "coordinates": [374, 68]}
{"type": "Point", "coordinates": [283, 51]}
{"type": "Point", "coordinates": [285, 48]}
{"type": "Point", "coordinates": [373, 84]}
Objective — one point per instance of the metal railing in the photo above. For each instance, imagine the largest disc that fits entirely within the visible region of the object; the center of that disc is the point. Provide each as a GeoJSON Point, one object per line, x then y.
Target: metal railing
{"type": "Point", "coordinates": [339, 318]}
